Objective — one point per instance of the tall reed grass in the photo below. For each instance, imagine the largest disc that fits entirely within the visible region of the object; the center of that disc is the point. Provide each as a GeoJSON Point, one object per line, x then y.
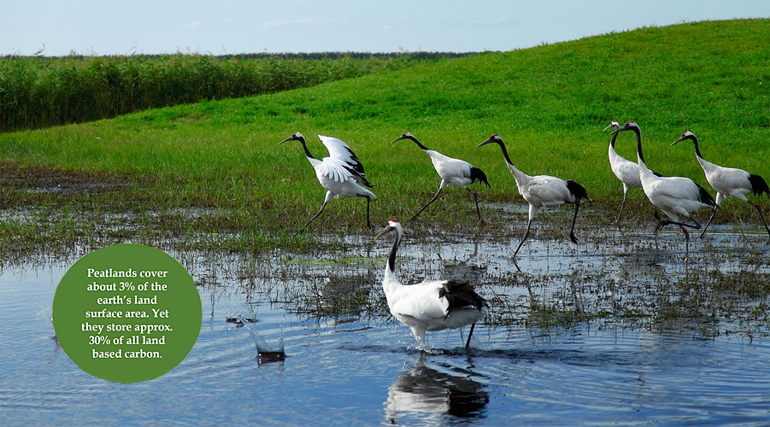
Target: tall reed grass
{"type": "Point", "coordinates": [39, 92]}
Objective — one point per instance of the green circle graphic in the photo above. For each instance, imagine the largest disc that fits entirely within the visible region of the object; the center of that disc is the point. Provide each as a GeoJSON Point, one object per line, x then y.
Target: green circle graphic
{"type": "Point", "coordinates": [127, 313]}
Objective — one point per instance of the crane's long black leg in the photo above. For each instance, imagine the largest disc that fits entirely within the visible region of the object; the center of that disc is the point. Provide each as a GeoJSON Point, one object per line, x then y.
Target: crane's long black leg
{"type": "Point", "coordinates": [622, 205]}
{"type": "Point", "coordinates": [368, 223]}
{"type": "Point", "coordinates": [574, 218]}
{"type": "Point", "coordinates": [526, 234]}
{"type": "Point", "coordinates": [326, 200]}
{"type": "Point", "coordinates": [431, 201]}
{"type": "Point", "coordinates": [470, 334]}
{"type": "Point", "coordinates": [476, 199]}
{"type": "Point", "coordinates": [686, 242]}
{"type": "Point", "coordinates": [713, 213]}
{"type": "Point", "coordinates": [682, 226]}
{"type": "Point", "coordinates": [314, 216]}
{"type": "Point", "coordinates": [762, 217]}
{"type": "Point", "coordinates": [695, 226]}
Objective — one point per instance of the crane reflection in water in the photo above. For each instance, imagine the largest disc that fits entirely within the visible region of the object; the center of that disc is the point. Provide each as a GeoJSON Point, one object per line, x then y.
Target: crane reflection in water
{"type": "Point", "coordinates": [434, 396]}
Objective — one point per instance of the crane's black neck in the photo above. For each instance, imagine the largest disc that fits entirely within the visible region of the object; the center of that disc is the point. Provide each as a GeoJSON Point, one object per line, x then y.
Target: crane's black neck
{"type": "Point", "coordinates": [505, 152]}
{"type": "Point", "coordinates": [392, 255]}
{"type": "Point", "coordinates": [304, 145]}
{"type": "Point", "coordinates": [419, 144]}
{"type": "Point", "coordinates": [695, 142]}
{"type": "Point", "coordinates": [638, 133]}
{"type": "Point", "coordinates": [614, 137]}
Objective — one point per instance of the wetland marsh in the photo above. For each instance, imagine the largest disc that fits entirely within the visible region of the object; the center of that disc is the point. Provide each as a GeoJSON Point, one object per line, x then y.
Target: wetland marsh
{"type": "Point", "coordinates": [620, 329]}
{"type": "Point", "coordinates": [617, 329]}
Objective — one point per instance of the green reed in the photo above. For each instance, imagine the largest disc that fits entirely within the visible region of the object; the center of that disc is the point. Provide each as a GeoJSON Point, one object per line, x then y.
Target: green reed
{"type": "Point", "coordinates": [39, 92]}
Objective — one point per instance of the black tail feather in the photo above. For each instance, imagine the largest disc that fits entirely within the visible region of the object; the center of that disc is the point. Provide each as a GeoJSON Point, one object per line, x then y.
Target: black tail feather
{"type": "Point", "coordinates": [477, 175]}
{"type": "Point", "coordinates": [460, 294]}
{"type": "Point", "coordinates": [759, 185]}
{"type": "Point", "coordinates": [577, 190]}
{"type": "Point", "coordinates": [705, 197]}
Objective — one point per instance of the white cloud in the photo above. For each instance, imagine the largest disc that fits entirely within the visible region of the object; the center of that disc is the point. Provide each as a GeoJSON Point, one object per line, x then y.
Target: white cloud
{"type": "Point", "coordinates": [195, 24]}
{"type": "Point", "coordinates": [303, 22]}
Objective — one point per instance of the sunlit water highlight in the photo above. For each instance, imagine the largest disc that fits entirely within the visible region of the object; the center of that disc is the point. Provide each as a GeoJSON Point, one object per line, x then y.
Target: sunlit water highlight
{"type": "Point", "coordinates": [657, 367]}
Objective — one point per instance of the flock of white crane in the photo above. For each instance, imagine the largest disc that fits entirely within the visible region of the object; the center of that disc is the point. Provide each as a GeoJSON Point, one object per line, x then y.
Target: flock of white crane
{"type": "Point", "coordinates": [447, 304]}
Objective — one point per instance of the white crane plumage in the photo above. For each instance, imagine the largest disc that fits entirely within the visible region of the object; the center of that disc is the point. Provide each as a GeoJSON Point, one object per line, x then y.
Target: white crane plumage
{"type": "Point", "coordinates": [452, 172]}
{"type": "Point", "coordinates": [729, 181]}
{"type": "Point", "coordinates": [542, 191]}
{"type": "Point", "coordinates": [432, 305]}
{"type": "Point", "coordinates": [675, 196]}
{"type": "Point", "coordinates": [625, 170]}
{"type": "Point", "coordinates": [340, 173]}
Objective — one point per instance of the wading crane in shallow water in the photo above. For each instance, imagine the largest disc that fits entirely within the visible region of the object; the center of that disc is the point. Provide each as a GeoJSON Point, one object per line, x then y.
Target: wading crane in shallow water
{"type": "Point", "coordinates": [625, 170]}
{"type": "Point", "coordinates": [340, 173]}
{"type": "Point", "coordinates": [452, 172]}
{"type": "Point", "coordinates": [729, 181]}
{"type": "Point", "coordinates": [541, 191]}
{"type": "Point", "coordinates": [675, 196]}
{"type": "Point", "coordinates": [432, 305]}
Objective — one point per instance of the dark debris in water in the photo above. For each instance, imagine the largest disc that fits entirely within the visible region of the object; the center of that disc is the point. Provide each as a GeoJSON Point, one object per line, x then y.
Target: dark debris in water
{"type": "Point", "coordinates": [270, 356]}
{"type": "Point", "coordinates": [238, 321]}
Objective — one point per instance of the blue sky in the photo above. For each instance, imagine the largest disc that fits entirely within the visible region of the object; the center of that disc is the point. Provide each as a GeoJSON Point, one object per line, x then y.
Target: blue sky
{"type": "Point", "coordinates": [116, 27]}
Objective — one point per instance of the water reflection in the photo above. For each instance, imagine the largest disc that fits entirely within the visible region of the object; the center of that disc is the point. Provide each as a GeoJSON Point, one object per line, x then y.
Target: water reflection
{"type": "Point", "coordinates": [435, 397]}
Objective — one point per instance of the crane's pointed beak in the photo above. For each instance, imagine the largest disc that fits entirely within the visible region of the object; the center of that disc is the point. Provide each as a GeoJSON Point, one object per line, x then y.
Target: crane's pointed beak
{"type": "Point", "coordinates": [617, 130]}
{"type": "Point", "coordinates": [484, 143]}
{"type": "Point", "coordinates": [398, 139]}
{"type": "Point", "coordinates": [677, 141]}
{"type": "Point", "coordinates": [384, 231]}
{"type": "Point", "coordinates": [291, 138]}
{"type": "Point", "coordinates": [611, 125]}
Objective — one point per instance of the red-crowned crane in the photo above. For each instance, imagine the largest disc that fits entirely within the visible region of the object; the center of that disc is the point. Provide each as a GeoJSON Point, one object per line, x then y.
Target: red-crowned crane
{"type": "Point", "coordinates": [729, 181]}
{"type": "Point", "coordinates": [432, 305]}
{"type": "Point", "coordinates": [452, 172]}
{"type": "Point", "coordinates": [625, 170]}
{"type": "Point", "coordinates": [542, 191]}
{"type": "Point", "coordinates": [673, 195]}
{"type": "Point", "coordinates": [340, 173]}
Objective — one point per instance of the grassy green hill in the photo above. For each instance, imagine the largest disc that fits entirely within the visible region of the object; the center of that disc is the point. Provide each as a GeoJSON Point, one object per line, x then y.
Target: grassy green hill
{"type": "Point", "coordinates": [550, 104]}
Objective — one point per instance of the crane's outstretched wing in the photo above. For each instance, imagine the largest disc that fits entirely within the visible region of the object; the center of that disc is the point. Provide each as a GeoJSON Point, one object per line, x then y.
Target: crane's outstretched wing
{"type": "Point", "coordinates": [340, 151]}
{"type": "Point", "coordinates": [336, 170]}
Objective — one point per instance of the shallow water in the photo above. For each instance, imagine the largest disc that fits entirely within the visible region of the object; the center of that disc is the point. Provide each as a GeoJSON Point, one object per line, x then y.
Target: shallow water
{"type": "Point", "coordinates": [627, 333]}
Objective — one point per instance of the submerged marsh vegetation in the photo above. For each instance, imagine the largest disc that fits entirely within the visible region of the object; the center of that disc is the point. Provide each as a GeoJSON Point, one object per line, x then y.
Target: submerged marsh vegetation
{"type": "Point", "coordinates": [630, 280]}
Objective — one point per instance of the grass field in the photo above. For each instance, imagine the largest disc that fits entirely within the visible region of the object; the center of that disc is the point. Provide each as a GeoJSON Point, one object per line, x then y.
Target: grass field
{"type": "Point", "coordinates": [216, 166]}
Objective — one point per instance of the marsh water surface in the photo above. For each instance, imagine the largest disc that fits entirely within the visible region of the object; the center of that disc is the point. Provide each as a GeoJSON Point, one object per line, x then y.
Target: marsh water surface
{"type": "Point", "coordinates": [619, 331]}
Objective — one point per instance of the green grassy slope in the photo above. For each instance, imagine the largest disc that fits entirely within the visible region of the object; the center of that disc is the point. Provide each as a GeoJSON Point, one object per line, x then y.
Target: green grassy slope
{"type": "Point", "coordinates": [549, 103]}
